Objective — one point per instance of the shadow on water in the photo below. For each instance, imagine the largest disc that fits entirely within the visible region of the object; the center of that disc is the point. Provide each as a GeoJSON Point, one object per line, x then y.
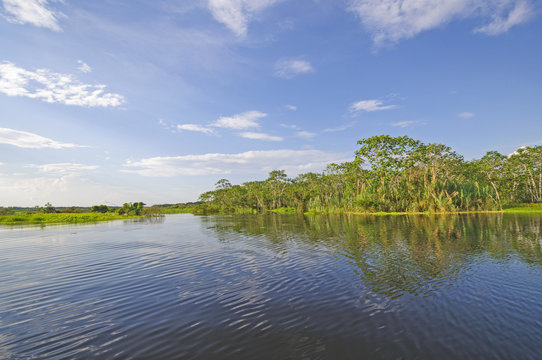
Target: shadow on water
{"type": "Point", "coordinates": [394, 255]}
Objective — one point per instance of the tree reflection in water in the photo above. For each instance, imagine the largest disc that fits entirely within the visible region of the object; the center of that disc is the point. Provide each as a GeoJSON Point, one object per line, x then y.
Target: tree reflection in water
{"type": "Point", "coordinates": [396, 255]}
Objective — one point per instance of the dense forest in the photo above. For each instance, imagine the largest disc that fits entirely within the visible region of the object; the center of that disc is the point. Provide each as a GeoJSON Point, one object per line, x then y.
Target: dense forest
{"type": "Point", "coordinates": [392, 174]}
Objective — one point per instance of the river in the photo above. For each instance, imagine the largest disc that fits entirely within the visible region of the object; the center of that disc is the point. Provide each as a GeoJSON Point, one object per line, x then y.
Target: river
{"type": "Point", "coordinates": [275, 287]}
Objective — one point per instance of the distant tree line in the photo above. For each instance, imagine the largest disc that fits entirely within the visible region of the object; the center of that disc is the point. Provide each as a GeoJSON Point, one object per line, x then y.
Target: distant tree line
{"type": "Point", "coordinates": [136, 208]}
{"type": "Point", "coordinates": [393, 174]}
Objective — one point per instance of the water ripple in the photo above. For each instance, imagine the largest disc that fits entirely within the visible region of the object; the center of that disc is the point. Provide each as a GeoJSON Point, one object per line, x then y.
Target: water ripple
{"type": "Point", "coordinates": [274, 287]}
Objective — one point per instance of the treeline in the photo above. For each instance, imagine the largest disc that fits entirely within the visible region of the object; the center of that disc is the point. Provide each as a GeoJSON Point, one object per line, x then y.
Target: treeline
{"type": "Point", "coordinates": [128, 209]}
{"type": "Point", "coordinates": [131, 209]}
{"type": "Point", "coordinates": [179, 208]}
{"type": "Point", "coordinates": [392, 174]}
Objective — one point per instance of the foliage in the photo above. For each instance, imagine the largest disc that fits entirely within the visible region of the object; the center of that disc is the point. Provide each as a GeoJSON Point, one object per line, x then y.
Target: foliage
{"type": "Point", "coordinates": [73, 210]}
{"type": "Point", "coordinates": [131, 209]}
{"type": "Point", "coordinates": [181, 208]}
{"type": "Point", "coordinates": [49, 209]}
{"type": "Point", "coordinates": [6, 211]}
{"type": "Point", "coordinates": [152, 211]}
{"type": "Point", "coordinates": [391, 174]}
{"type": "Point", "coordinates": [49, 215]}
{"type": "Point", "coordinates": [100, 209]}
{"type": "Point", "coordinates": [57, 218]}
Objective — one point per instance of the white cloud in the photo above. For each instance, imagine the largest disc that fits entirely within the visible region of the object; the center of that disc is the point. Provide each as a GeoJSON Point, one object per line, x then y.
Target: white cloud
{"type": "Point", "coordinates": [250, 162]}
{"type": "Point", "coordinates": [305, 134]}
{"type": "Point", "coordinates": [369, 106]}
{"type": "Point", "coordinates": [390, 21]}
{"type": "Point", "coordinates": [288, 69]}
{"type": "Point", "coordinates": [295, 127]}
{"type": "Point", "coordinates": [63, 168]}
{"type": "Point", "coordinates": [83, 67]}
{"type": "Point", "coordinates": [404, 124]}
{"type": "Point", "coordinates": [236, 14]}
{"type": "Point", "coordinates": [69, 189]}
{"type": "Point", "coordinates": [466, 115]}
{"type": "Point", "coordinates": [28, 140]}
{"type": "Point", "coordinates": [299, 132]}
{"type": "Point", "coordinates": [502, 21]}
{"type": "Point", "coordinates": [241, 121]}
{"type": "Point", "coordinates": [260, 136]}
{"type": "Point", "coordinates": [194, 127]}
{"type": "Point", "coordinates": [54, 88]}
{"type": "Point", "coordinates": [35, 12]}
{"type": "Point", "coordinates": [291, 107]}
{"type": "Point", "coordinates": [340, 128]}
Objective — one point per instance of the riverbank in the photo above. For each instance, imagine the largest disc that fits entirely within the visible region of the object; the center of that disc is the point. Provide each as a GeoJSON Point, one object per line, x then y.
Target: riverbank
{"type": "Point", "coordinates": [215, 210]}
{"type": "Point", "coordinates": [60, 218]}
{"type": "Point", "coordinates": [77, 218]}
{"type": "Point", "coordinates": [524, 208]}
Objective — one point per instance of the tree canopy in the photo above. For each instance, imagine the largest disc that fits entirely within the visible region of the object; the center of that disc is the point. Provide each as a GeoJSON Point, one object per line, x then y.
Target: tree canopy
{"type": "Point", "coordinates": [393, 174]}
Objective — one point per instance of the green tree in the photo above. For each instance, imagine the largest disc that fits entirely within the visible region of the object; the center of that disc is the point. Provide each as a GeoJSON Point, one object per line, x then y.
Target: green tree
{"type": "Point", "coordinates": [49, 209]}
{"type": "Point", "coordinates": [100, 208]}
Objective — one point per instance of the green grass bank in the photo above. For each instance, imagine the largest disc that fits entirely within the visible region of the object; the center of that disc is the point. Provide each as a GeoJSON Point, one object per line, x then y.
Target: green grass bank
{"type": "Point", "coordinates": [60, 218]}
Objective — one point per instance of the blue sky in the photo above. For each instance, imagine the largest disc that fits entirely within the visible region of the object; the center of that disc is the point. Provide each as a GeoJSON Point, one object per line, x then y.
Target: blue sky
{"type": "Point", "coordinates": [154, 101]}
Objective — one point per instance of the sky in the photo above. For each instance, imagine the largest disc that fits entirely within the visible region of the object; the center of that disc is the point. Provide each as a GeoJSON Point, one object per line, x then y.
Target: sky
{"type": "Point", "coordinates": [114, 101]}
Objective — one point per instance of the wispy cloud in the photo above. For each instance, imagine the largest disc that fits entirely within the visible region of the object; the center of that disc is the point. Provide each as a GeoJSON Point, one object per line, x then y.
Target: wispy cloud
{"type": "Point", "coordinates": [390, 21]}
{"type": "Point", "coordinates": [236, 14]}
{"type": "Point", "coordinates": [250, 162]}
{"type": "Point", "coordinates": [466, 115]}
{"type": "Point", "coordinates": [28, 140]}
{"type": "Point", "coordinates": [241, 121]}
{"type": "Point", "coordinates": [35, 12]}
{"type": "Point", "coordinates": [299, 133]}
{"type": "Point", "coordinates": [260, 136]}
{"type": "Point", "coordinates": [404, 124]}
{"type": "Point", "coordinates": [340, 128]}
{"type": "Point", "coordinates": [288, 69]}
{"type": "Point", "coordinates": [194, 127]}
{"type": "Point", "coordinates": [63, 168]}
{"type": "Point", "coordinates": [54, 87]}
{"type": "Point", "coordinates": [83, 67]}
{"type": "Point", "coordinates": [287, 126]}
{"type": "Point", "coordinates": [512, 13]}
{"type": "Point", "coordinates": [305, 134]}
{"type": "Point", "coordinates": [291, 107]}
{"type": "Point", "coordinates": [370, 106]}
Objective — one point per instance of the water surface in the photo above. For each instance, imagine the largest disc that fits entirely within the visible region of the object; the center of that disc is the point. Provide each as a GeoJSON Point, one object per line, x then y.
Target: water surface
{"type": "Point", "coordinates": [275, 287]}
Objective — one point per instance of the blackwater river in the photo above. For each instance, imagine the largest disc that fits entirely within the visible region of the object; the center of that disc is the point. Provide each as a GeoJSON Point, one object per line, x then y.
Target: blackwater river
{"type": "Point", "coordinates": [275, 287]}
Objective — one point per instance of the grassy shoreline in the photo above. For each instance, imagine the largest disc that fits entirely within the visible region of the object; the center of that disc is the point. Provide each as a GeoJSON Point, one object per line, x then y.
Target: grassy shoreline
{"type": "Point", "coordinates": [520, 208]}
{"type": "Point", "coordinates": [530, 208]}
{"type": "Point", "coordinates": [60, 218]}
{"type": "Point", "coordinates": [81, 218]}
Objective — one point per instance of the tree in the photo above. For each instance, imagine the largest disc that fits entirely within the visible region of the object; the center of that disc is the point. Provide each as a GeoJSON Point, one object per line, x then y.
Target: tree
{"type": "Point", "coordinates": [393, 174]}
{"type": "Point", "coordinates": [48, 208]}
{"type": "Point", "coordinates": [491, 165]}
{"type": "Point", "coordinates": [527, 163]}
{"type": "Point", "coordinates": [131, 209]}
{"type": "Point", "coordinates": [387, 155]}
{"type": "Point", "coordinates": [277, 182]}
{"type": "Point", "coordinates": [100, 208]}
